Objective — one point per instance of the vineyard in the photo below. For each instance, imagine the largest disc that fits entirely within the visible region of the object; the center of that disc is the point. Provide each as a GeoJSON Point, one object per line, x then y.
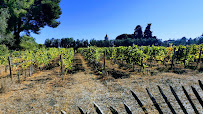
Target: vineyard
{"type": "Point", "coordinates": [146, 59]}
{"type": "Point", "coordinates": [54, 79]}
{"type": "Point", "coordinates": [39, 59]}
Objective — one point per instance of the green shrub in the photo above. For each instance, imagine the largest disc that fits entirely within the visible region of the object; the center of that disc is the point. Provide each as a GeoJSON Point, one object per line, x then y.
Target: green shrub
{"type": "Point", "coordinates": [3, 50]}
{"type": "Point", "coordinates": [28, 42]}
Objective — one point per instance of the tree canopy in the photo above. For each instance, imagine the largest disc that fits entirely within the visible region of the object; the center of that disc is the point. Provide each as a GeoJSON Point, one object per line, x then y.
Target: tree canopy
{"type": "Point", "coordinates": [148, 32]}
{"type": "Point", "coordinates": [30, 16]}
{"type": "Point", "coordinates": [6, 38]}
{"type": "Point", "coordinates": [28, 42]}
{"type": "Point", "coordinates": [138, 34]}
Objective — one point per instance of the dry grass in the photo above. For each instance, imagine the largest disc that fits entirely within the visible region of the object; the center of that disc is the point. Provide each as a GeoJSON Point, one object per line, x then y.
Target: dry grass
{"type": "Point", "coordinates": [46, 92]}
{"type": "Point", "coordinates": [4, 85]}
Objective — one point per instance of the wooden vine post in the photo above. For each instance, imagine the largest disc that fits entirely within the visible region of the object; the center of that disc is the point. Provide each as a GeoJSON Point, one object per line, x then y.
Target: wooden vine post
{"type": "Point", "coordinates": [133, 67]}
{"type": "Point", "coordinates": [104, 65]}
{"type": "Point", "coordinates": [31, 67]}
{"type": "Point", "coordinates": [199, 59]}
{"type": "Point", "coordinates": [30, 70]}
{"type": "Point", "coordinates": [18, 76]}
{"type": "Point", "coordinates": [104, 60]}
{"type": "Point", "coordinates": [25, 73]}
{"type": "Point", "coordinates": [62, 72]}
{"type": "Point", "coordinates": [9, 63]}
{"type": "Point", "coordinates": [173, 57]}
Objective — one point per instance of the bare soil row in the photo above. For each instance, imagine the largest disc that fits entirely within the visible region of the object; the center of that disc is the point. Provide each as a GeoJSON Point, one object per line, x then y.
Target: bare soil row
{"type": "Point", "coordinates": [45, 92]}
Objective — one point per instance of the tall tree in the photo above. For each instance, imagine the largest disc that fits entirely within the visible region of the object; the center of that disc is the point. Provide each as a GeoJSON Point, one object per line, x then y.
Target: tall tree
{"type": "Point", "coordinates": [138, 32]}
{"type": "Point", "coordinates": [5, 37]}
{"type": "Point", "coordinates": [31, 15]}
{"type": "Point", "coordinates": [148, 32]}
{"type": "Point", "coordinates": [4, 15]}
{"type": "Point", "coordinates": [56, 43]}
{"type": "Point", "coordinates": [47, 43]}
{"type": "Point", "coordinates": [28, 42]}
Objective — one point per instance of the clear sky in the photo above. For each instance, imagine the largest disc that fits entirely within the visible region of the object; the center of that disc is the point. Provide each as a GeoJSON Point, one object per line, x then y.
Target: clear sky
{"type": "Point", "coordinates": [88, 19]}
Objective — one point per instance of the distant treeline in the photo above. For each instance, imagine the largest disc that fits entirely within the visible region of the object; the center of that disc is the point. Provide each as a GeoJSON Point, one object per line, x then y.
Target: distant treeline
{"type": "Point", "coordinates": [70, 42]}
{"type": "Point", "coordinates": [139, 38]}
{"type": "Point", "coordinates": [184, 41]}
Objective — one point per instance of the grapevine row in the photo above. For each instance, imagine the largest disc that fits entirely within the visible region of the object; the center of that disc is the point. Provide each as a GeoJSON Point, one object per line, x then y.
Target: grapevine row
{"type": "Point", "coordinates": [144, 55]}
{"type": "Point", "coordinates": [38, 58]}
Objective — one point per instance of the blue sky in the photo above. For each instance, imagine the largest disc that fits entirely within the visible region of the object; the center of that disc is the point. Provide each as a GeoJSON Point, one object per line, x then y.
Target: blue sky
{"type": "Point", "coordinates": [88, 19]}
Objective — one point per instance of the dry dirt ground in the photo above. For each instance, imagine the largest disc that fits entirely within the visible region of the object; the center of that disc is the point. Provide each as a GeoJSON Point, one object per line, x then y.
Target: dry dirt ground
{"type": "Point", "coordinates": [45, 92]}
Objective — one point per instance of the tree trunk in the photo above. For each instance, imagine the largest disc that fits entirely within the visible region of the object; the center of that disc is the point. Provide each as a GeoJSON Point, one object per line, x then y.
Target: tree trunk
{"type": "Point", "coordinates": [17, 31]}
{"type": "Point", "coordinates": [17, 39]}
{"type": "Point", "coordinates": [184, 63]}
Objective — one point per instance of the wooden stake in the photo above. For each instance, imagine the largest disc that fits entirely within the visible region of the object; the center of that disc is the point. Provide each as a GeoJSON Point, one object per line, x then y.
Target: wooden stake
{"type": "Point", "coordinates": [9, 62]}
{"type": "Point", "coordinates": [173, 57]}
{"type": "Point", "coordinates": [30, 70]}
{"type": "Point", "coordinates": [18, 76]}
{"type": "Point", "coordinates": [62, 72]}
{"type": "Point", "coordinates": [133, 67]}
{"type": "Point", "coordinates": [104, 60]}
{"type": "Point", "coordinates": [199, 58]}
{"type": "Point", "coordinates": [25, 73]}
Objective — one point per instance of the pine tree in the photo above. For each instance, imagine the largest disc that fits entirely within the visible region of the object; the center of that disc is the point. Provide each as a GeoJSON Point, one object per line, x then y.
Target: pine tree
{"type": "Point", "coordinates": [147, 32]}
{"type": "Point", "coordinates": [138, 32]}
